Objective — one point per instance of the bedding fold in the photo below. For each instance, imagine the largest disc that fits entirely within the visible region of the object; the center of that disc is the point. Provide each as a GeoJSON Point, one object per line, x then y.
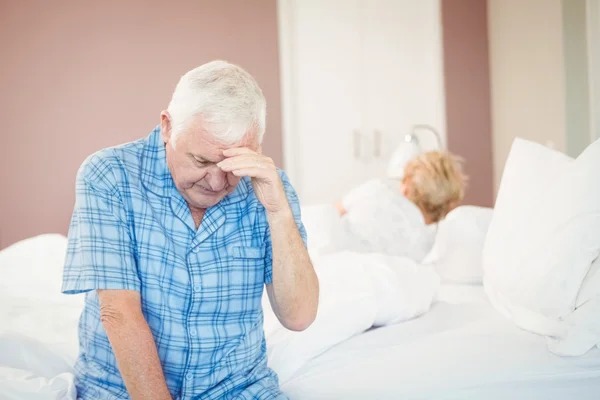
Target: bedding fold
{"type": "Point", "coordinates": [358, 291]}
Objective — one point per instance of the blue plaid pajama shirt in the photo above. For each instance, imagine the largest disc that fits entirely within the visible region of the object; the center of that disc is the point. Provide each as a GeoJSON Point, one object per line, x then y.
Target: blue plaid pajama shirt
{"type": "Point", "coordinates": [201, 290]}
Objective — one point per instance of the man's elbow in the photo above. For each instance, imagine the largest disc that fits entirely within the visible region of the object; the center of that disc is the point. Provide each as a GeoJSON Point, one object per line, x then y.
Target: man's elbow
{"type": "Point", "coordinates": [302, 319]}
{"type": "Point", "coordinates": [300, 323]}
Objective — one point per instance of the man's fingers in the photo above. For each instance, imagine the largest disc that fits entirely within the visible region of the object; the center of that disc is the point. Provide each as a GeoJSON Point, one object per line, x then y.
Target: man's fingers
{"type": "Point", "coordinates": [237, 151]}
{"type": "Point", "coordinates": [245, 161]}
{"type": "Point", "coordinates": [252, 172]}
{"type": "Point", "coordinates": [241, 164]}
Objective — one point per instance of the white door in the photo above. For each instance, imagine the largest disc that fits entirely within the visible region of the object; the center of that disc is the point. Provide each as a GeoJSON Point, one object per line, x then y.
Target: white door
{"type": "Point", "coordinates": [404, 78]}
{"type": "Point", "coordinates": [593, 39]}
{"type": "Point", "coordinates": [322, 108]}
{"type": "Point", "coordinates": [355, 76]}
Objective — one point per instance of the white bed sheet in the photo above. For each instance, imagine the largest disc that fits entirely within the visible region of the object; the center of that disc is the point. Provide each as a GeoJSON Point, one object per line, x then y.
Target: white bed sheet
{"type": "Point", "coordinates": [462, 349]}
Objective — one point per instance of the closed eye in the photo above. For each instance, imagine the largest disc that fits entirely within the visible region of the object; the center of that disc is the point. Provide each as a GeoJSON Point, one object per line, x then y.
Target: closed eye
{"type": "Point", "coordinates": [199, 161]}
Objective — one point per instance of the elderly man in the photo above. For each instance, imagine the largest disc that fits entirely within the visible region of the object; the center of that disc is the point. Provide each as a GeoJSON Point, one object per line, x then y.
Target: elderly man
{"type": "Point", "coordinates": [173, 238]}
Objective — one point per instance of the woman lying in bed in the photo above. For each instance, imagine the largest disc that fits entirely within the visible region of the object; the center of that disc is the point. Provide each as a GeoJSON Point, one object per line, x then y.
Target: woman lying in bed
{"type": "Point", "coordinates": [399, 217]}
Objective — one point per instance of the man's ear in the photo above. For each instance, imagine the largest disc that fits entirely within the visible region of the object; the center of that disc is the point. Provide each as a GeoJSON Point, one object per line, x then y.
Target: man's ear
{"type": "Point", "coordinates": [166, 128]}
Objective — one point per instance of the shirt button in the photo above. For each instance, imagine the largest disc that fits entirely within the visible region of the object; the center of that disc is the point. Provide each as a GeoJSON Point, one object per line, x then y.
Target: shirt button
{"type": "Point", "coordinates": [196, 249]}
{"type": "Point", "coordinates": [193, 332]}
{"type": "Point", "coordinates": [189, 376]}
{"type": "Point", "coordinates": [196, 287]}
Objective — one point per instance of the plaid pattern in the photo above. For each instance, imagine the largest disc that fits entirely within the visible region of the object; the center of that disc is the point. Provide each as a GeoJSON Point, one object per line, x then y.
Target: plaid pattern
{"type": "Point", "coordinates": [201, 290]}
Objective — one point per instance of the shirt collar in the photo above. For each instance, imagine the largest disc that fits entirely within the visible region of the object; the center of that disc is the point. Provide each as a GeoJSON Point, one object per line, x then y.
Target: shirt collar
{"type": "Point", "coordinates": [156, 177]}
{"type": "Point", "coordinates": [155, 174]}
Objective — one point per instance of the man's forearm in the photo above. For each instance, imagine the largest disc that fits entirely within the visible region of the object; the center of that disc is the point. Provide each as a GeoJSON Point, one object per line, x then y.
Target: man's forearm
{"type": "Point", "coordinates": [135, 351]}
{"type": "Point", "coordinates": [295, 286]}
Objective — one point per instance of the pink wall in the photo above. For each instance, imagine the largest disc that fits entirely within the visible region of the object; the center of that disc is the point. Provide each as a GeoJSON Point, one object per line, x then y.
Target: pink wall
{"type": "Point", "coordinates": [77, 76]}
{"type": "Point", "coordinates": [467, 77]}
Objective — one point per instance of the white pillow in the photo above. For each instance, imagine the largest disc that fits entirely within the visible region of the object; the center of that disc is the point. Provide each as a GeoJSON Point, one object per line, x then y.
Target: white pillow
{"type": "Point", "coordinates": [543, 238]}
{"type": "Point", "coordinates": [590, 288]}
{"type": "Point", "coordinates": [32, 305]}
{"type": "Point", "coordinates": [33, 266]}
{"type": "Point", "coordinates": [584, 322]}
{"type": "Point", "coordinates": [457, 252]}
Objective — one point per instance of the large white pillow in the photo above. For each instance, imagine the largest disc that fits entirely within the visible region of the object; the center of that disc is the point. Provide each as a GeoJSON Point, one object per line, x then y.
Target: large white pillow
{"type": "Point", "coordinates": [584, 323]}
{"type": "Point", "coordinates": [542, 240]}
{"type": "Point", "coordinates": [457, 252]}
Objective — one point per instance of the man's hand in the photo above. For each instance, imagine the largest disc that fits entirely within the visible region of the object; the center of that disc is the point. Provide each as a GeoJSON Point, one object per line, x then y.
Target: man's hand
{"type": "Point", "coordinates": [265, 179]}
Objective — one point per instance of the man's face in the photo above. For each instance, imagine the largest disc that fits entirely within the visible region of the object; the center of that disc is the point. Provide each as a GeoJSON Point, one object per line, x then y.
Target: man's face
{"type": "Point", "coordinates": [193, 162]}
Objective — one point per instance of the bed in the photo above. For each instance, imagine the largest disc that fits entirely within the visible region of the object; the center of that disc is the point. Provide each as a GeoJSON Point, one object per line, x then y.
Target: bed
{"type": "Point", "coordinates": [461, 349]}
{"type": "Point", "coordinates": [509, 306]}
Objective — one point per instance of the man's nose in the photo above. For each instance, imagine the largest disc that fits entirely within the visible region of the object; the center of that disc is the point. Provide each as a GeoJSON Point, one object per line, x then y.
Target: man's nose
{"type": "Point", "coordinates": [217, 179]}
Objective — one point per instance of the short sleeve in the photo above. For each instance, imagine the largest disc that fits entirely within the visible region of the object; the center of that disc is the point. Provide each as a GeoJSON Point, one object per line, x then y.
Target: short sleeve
{"type": "Point", "coordinates": [294, 202]}
{"type": "Point", "coordinates": [100, 252]}
{"type": "Point", "coordinates": [361, 194]}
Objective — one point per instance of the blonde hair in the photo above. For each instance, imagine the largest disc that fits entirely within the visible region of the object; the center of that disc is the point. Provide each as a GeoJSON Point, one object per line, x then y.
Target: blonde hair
{"type": "Point", "coordinates": [435, 182]}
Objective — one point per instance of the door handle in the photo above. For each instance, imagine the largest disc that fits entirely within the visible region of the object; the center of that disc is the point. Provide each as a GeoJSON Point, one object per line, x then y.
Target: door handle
{"type": "Point", "coordinates": [356, 144]}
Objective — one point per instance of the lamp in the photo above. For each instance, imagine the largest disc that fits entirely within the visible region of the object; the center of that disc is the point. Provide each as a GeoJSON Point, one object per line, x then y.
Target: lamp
{"type": "Point", "coordinates": [410, 147]}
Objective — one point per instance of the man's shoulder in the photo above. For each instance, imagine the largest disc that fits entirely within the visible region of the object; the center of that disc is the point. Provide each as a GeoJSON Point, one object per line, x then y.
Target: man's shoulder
{"type": "Point", "coordinates": [106, 168]}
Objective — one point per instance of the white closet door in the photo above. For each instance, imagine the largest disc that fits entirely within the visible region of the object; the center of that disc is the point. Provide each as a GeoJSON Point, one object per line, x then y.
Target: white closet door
{"type": "Point", "coordinates": [349, 68]}
{"type": "Point", "coordinates": [404, 83]}
{"type": "Point", "coordinates": [593, 39]}
{"type": "Point", "coordinates": [323, 71]}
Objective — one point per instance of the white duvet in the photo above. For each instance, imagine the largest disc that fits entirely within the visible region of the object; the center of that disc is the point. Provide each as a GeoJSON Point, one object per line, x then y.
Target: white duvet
{"type": "Point", "coordinates": [31, 369]}
{"type": "Point", "coordinates": [357, 292]}
{"type": "Point", "coordinates": [38, 342]}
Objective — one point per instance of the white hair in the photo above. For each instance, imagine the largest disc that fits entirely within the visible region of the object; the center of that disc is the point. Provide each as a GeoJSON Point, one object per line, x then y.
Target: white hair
{"type": "Point", "coordinates": [228, 98]}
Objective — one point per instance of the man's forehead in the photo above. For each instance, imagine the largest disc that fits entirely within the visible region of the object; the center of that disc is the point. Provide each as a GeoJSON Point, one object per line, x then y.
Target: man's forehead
{"type": "Point", "coordinates": [205, 146]}
{"type": "Point", "coordinates": [250, 140]}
